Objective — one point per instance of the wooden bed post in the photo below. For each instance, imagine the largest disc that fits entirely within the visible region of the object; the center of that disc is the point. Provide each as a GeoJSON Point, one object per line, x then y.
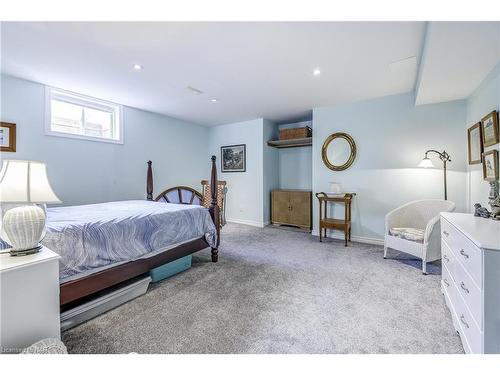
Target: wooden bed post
{"type": "Point", "coordinates": [214, 209]}
{"type": "Point", "coordinates": [149, 182]}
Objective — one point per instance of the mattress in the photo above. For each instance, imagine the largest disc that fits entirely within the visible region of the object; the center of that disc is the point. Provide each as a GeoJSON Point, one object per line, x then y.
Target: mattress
{"type": "Point", "coordinates": [90, 238]}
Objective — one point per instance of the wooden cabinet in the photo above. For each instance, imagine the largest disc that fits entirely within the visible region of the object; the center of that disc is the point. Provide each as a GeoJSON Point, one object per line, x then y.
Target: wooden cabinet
{"type": "Point", "coordinates": [291, 207]}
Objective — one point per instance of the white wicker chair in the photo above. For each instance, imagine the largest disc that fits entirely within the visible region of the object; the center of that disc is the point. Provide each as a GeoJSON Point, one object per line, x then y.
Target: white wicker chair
{"type": "Point", "coordinates": [423, 217]}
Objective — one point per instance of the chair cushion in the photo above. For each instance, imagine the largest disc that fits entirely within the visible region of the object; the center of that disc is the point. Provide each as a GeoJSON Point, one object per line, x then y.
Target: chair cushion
{"type": "Point", "coordinates": [409, 234]}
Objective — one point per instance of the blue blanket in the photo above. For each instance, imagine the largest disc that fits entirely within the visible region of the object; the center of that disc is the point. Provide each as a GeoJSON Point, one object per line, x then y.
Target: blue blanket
{"type": "Point", "coordinates": [90, 237]}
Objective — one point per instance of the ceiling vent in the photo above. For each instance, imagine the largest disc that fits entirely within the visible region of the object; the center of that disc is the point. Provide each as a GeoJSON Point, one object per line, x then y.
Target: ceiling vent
{"type": "Point", "coordinates": [194, 90]}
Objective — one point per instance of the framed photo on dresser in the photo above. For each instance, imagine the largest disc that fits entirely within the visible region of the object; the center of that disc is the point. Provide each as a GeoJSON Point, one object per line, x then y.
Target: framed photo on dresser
{"type": "Point", "coordinates": [475, 143]}
{"type": "Point", "coordinates": [490, 129]}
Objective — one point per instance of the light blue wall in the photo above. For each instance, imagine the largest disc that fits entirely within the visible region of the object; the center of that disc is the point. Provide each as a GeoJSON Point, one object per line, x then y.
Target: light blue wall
{"type": "Point", "coordinates": [88, 172]}
{"type": "Point", "coordinates": [270, 167]}
{"type": "Point", "coordinates": [295, 164]}
{"type": "Point", "coordinates": [245, 189]}
{"type": "Point", "coordinates": [391, 135]}
{"type": "Point", "coordinates": [483, 100]}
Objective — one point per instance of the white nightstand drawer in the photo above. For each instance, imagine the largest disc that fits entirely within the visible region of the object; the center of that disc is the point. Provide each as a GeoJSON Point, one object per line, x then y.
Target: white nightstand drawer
{"type": "Point", "coordinates": [468, 254]}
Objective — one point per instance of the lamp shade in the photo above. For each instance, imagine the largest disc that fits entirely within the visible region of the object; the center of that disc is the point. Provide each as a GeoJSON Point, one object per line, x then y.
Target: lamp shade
{"type": "Point", "coordinates": [426, 163]}
{"type": "Point", "coordinates": [23, 181]}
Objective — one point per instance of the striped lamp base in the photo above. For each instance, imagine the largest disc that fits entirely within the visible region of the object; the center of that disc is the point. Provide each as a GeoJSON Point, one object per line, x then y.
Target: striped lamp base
{"type": "Point", "coordinates": [24, 227]}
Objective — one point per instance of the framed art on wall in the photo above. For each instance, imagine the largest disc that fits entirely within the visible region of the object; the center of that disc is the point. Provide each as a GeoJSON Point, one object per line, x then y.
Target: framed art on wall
{"type": "Point", "coordinates": [490, 129]}
{"type": "Point", "coordinates": [490, 165]}
{"type": "Point", "coordinates": [475, 143]}
{"type": "Point", "coordinates": [233, 158]}
{"type": "Point", "coordinates": [7, 137]}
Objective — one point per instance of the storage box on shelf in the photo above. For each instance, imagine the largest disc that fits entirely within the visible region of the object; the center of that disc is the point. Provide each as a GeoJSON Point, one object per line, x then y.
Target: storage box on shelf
{"type": "Point", "coordinates": [294, 133]}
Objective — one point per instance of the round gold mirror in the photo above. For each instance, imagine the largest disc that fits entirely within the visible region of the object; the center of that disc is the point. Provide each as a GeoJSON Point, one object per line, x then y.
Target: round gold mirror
{"type": "Point", "coordinates": [339, 151]}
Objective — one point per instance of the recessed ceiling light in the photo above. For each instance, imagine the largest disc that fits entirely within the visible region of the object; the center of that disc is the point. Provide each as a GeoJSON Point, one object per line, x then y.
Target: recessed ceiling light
{"type": "Point", "coordinates": [137, 67]}
{"type": "Point", "coordinates": [316, 72]}
{"type": "Point", "coordinates": [213, 100]}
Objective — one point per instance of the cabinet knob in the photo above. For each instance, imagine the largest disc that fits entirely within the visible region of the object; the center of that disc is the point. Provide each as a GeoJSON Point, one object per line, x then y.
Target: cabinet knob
{"type": "Point", "coordinates": [446, 233]}
{"type": "Point", "coordinates": [446, 282]}
{"type": "Point", "coordinates": [445, 257]}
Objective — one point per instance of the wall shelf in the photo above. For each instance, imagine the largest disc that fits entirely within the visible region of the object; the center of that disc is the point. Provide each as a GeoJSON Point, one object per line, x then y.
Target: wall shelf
{"type": "Point", "coordinates": [287, 143]}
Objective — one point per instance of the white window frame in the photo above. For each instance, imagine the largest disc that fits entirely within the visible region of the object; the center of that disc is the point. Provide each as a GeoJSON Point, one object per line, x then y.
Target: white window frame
{"type": "Point", "coordinates": [82, 100]}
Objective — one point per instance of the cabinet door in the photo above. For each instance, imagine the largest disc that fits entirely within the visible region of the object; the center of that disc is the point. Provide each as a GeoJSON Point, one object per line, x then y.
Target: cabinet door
{"type": "Point", "coordinates": [300, 214]}
{"type": "Point", "coordinates": [280, 205]}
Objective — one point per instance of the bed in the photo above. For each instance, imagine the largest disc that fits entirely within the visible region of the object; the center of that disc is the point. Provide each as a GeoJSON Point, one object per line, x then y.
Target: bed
{"type": "Point", "coordinates": [103, 245]}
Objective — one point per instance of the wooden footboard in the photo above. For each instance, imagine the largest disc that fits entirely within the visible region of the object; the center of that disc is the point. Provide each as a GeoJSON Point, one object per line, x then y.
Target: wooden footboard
{"type": "Point", "coordinates": [214, 208]}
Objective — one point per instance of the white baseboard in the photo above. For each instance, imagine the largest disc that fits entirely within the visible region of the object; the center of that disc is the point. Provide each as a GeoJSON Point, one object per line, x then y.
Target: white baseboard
{"type": "Point", "coordinates": [340, 236]}
{"type": "Point", "coordinates": [252, 223]}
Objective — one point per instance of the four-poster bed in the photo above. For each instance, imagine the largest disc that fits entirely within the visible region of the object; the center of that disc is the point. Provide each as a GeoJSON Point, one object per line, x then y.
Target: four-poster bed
{"type": "Point", "coordinates": [82, 287]}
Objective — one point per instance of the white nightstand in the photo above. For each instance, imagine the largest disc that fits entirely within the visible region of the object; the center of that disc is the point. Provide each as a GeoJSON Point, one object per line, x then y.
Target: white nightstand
{"type": "Point", "coordinates": [29, 299]}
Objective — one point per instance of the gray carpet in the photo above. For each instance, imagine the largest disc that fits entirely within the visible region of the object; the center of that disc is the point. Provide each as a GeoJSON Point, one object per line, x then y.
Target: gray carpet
{"type": "Point", "coordinates": [278, 291]}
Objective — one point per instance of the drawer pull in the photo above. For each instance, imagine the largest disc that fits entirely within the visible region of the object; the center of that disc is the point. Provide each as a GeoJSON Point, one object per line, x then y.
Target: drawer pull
{"type": "Point", "coordinates": [462, 252]}
{"type": "Point", "coordinates": [445, 257]}
{"type": "Point", "coordinates": [446, 233]}
{"type": "Point", "coordinates": [462, 285]}
{"type": "Point", "coordinates": [446, 282]}
{"type": "Point", "coordinates": [462, 319]}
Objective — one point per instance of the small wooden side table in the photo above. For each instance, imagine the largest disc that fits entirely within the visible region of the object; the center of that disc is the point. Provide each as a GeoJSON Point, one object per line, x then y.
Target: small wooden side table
{"type": "Point", "coordinates": [329, 223]}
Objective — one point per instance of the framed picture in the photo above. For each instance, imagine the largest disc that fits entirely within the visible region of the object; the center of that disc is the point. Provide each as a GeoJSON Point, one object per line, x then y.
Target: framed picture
{"type": "Point", "coordinates": [233, 158]}
{"type": "Point", "coordinates": [7, 137]}
{"type": "Point", "coordinates": [490, 129]}
{"type": "Point", "coordinates": [490, 165]}
{"type": "Point", "coordinates": [475, 142]}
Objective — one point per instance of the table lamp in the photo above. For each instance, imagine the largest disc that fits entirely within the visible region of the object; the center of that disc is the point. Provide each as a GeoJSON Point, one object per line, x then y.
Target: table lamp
{"type": "Point", "coordinates": [427, 163]}
{"type": "Point", "coordinates": [25, 184]}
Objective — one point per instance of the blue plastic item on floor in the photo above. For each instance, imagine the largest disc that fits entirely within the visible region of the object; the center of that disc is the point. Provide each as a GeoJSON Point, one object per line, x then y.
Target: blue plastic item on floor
{"type": "Point", "coordinates": [170, 269]}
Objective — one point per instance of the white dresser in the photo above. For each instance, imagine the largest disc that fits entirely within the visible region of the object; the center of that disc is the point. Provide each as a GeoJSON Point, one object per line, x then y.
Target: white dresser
{"type": "Point", "coordinates": [29, 306]}
{"type": "Point", "coordinates": [470, 249]}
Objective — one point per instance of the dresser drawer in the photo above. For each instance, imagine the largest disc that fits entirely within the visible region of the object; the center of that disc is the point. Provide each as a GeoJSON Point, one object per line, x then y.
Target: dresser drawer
{"type": "Point", "coordinates": [470, 293]}
{"type": "Point", "coordinates": [468, 254]}
{"type": "Point", "coordinates": [448, 259]}
{"type": "Point", "coordinates": [447, 283]}
{"type": "Point", "coordinates": [466, 326]}
{"type": "Point", "coordinates": [470, 333]}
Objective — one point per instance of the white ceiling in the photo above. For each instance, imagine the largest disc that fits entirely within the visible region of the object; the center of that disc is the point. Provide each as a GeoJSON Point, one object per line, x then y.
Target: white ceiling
{"type": "Point", "coordinates": [253, 69]}
{"type": "Point", "coordinates": [456, 58]}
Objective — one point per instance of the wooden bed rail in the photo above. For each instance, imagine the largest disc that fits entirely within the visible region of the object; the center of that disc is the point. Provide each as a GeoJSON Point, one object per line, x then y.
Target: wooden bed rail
{"type": "Point", "coordinates": [213, 209]}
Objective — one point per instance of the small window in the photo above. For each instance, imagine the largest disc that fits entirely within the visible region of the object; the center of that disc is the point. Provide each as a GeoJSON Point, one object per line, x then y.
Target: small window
{"type": "Point", "coordinates": [77, 116]}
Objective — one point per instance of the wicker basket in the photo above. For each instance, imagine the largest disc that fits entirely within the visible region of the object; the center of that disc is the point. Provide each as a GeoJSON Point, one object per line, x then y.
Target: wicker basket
{"type": "Point", "coordinates": [295, 133]}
